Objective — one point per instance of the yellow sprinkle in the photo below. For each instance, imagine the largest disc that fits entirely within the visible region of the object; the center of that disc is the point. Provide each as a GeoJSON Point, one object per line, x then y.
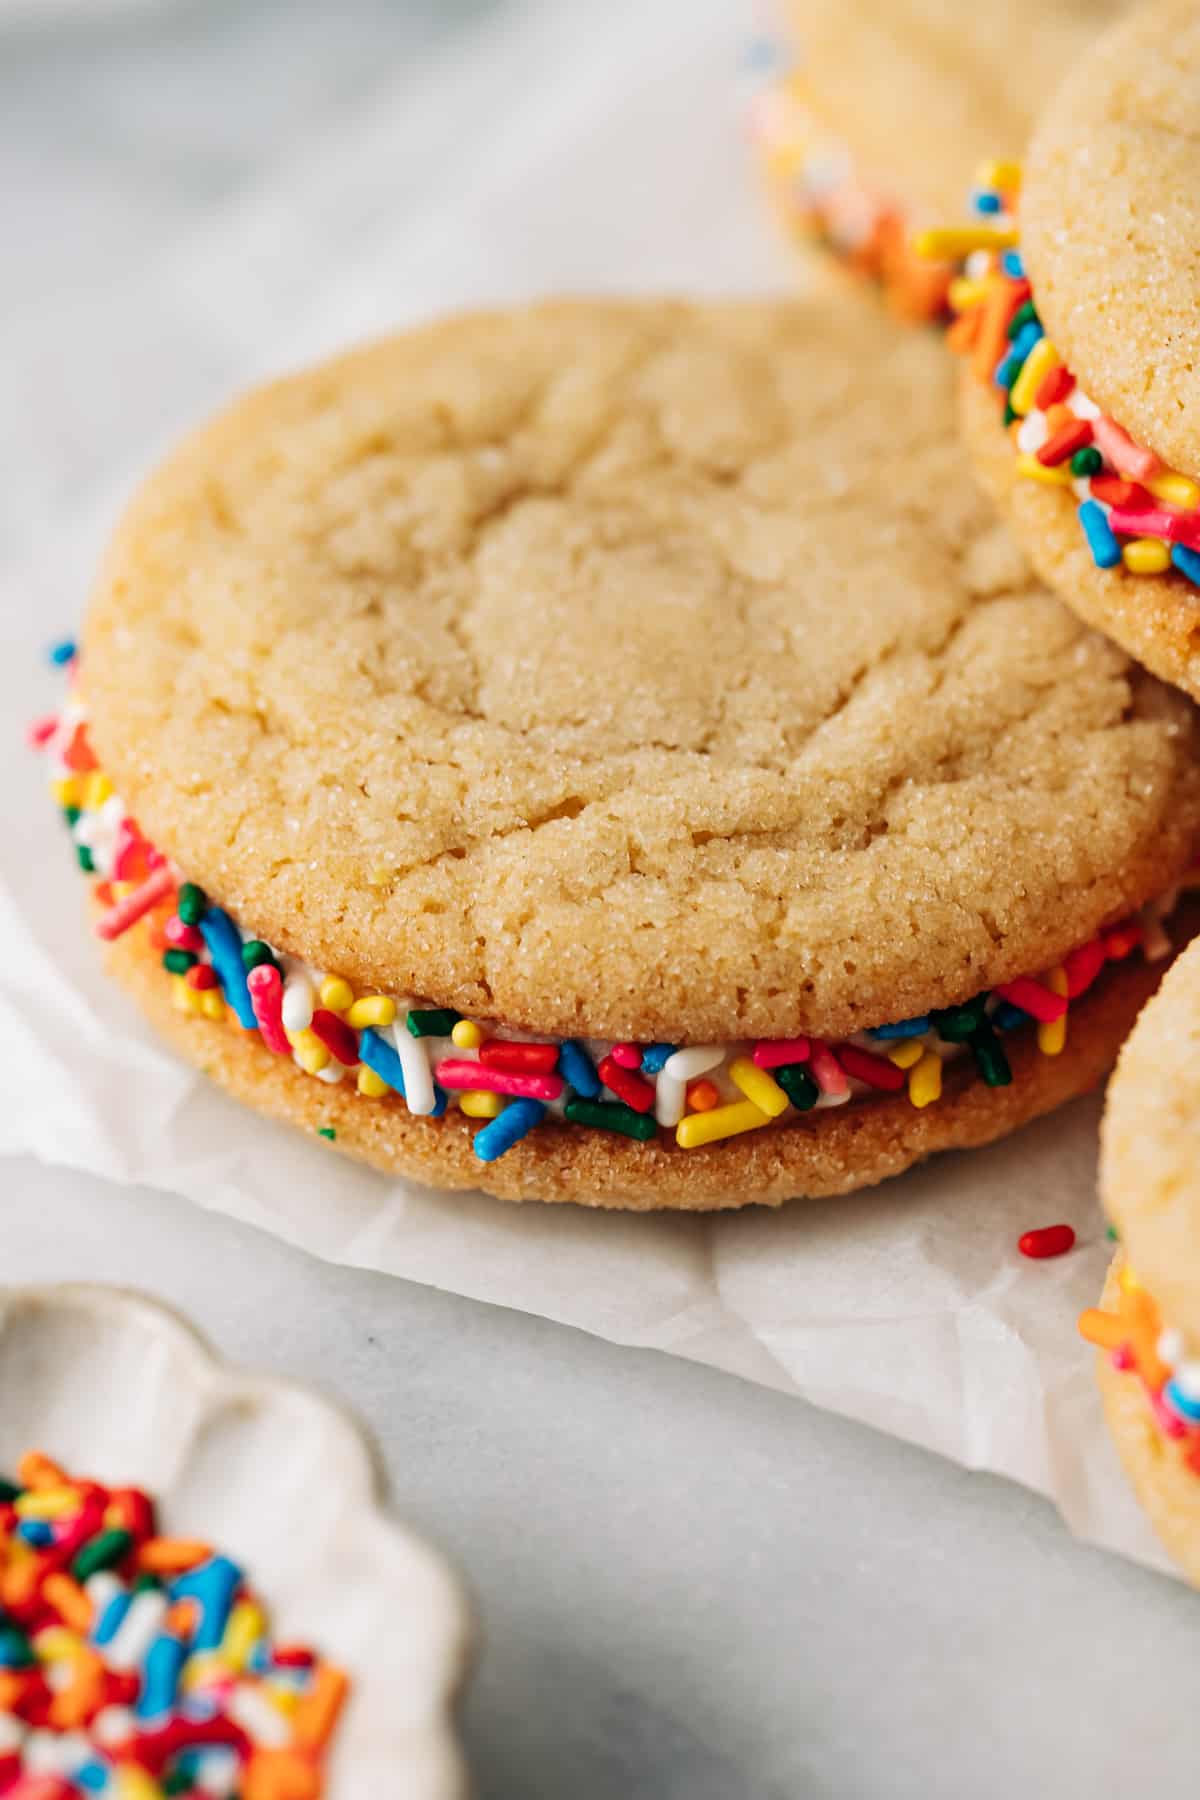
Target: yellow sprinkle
{"type": "Point", "coordinates": [57, 1644]}
{"type": "Point", "coordinates": [966, 293]}
{"type": "Point", "coordinates": [184, 998]}
{"type": "Point", "coordinates": [758, 1086]}
{"type": "Point", "coordinates": [467, 1034]}
{"type": "Point", "coordinates": [133, 1783]}
{"type": "Point", "coordinates": [1033, 470]}
{"type": "Point", "coordinates": [47, 1503]}
{"type": "Point", "coordinates": [1174, 490]}
{"type": "Point", "coordinates": [1034, 370]}
{"type": "Point", "coordinates": [336, 994]}
{"type": "Point", "coordinates": [1004, 175]}
{"type": "Point", "coordinates": [68, 790]}
{"type": "Point", "coordinates": [1129, 1281]}
{"type": "Point", "coordinates": [372, 1009]}
{"type": "Point", "coordinates": [202, 1665]}
{"type": "Point", "coordinates": [948, 243]}
{"type": "Point", "coordinates": [369, 1083]}
{"type": "Point", "coordinates": [212, 1005]}
{"type": "Point", "coordinates": [283, 1699]}
{"type": "Point", "coordinates": [906, 1054]}
{"type": "Point", "coordinates": [1052, 1036]}
{"type": "Point", "coordinates": [247, 1623]}
{"type": "Point", "coordinates": [97, 788]}
{"type": "Point", "coordinates": [311, 1053]}
{"type": "Point", "coordinates": [1146, 556]}
{"type": "Point", "coordinates": [925, 1080]}
{"type": "Point", "coordinates": [479, 1105]}
{"type": "Point", "coordinates": [721, 1122]}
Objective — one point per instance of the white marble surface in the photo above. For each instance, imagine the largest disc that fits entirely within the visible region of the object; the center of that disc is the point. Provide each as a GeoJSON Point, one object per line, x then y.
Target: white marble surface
{"type": "Point", "coordinates": [687, 1585]}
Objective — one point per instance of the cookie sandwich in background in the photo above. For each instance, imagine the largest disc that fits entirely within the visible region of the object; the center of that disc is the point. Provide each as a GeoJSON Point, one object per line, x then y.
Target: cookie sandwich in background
{"type": "Point", "coordinates": [1081, 400]}
{"type": "Point", "coordinates": [875, 119]}
{"type": "Point", "coordinates": [610, 752]}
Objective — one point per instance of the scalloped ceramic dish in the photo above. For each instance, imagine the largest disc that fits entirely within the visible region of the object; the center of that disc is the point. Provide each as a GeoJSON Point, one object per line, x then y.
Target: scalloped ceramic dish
{"type": "Point", "coordinates": [115, 1386]}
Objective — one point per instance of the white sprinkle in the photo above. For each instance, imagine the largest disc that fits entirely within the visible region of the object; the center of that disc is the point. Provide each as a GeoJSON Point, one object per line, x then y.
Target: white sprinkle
{"type": "Point", "coordinates": [297, 1002]}
{"type": "Point", "coordinates": [12, 1734]}
{"type": "Point", "coordinates": [113, 1725]}
{"type": "Point", "coordinates": [332, 1072]}
{"type": "Point", "coordinates": [136, 1632]}
{"type": "Point", "coordinates": [1170, 1346]}
{"type": "Point", "coordinates": [414, 1065]}
{"type": "Point", "coordinates": [251, 1709]}
{"type": "Point", "coordinates": [1033, 433]}
{"type": "Point", "coordinates": [682, 1066]}
{"type": "Point", "coordinates": [1187, 1379]}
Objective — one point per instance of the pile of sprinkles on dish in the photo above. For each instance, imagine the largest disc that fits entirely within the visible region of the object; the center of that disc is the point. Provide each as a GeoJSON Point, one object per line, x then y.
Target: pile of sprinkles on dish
{"type": "Point", "coordinates": [1137, 1342]}
{"type": "Point", "coordinates": [135, 1666]}
{"type": "Point", "coordinates": [433, 1058]}
{"type": "Point", "coordinates": [1135, 513]}
{"type": "Point", "coordinates": [824, 197]}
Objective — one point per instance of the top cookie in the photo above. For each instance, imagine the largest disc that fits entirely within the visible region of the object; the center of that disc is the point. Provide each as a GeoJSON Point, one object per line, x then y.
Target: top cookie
{"type": "Point", "coordinates": [1110, 219]}
{"type": "Point", "coordinates": [639, 669]}
{"type": "Point", "coordinates": [1150, 1166]}
{"type": "Point", "coordinates": [924, 91]}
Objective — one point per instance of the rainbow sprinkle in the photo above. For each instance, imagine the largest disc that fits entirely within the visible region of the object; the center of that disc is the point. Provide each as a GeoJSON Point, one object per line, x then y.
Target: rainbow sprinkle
{"type": "Point", "coordinates": [1134, 512]}
{"type": "Point", "coordinates": [434, 1059]}
{"type": "Point", "coordinates": [137, 1666]}
{"type": "Point", "coordinates": [1136, 1341]}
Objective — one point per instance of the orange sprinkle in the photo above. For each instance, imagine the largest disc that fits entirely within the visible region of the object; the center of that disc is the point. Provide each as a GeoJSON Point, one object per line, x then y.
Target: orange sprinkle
{"type": "Point", "coordinates": [69, 1602]}
{"type": "Point", "coordinates": [1057, 416]}
{"type": "Point", "coordinates": [317, 1714]}
{"type": "Point", "coordinates": [182, 1619]}
{"type": "Point", "coordinates": [702, 1096]}
{"type": "Point", "coordinates": [37, 1471]}
{"type": "Point", "coordinates": [172, 1556]}
{"type": "Point", "coordinates": [1103, 1329]}
{"type": "Point", "coordinates": [83, 1697]}
{"type": "Point", "coordinates": [965, 329]}
{"type": "Point", "coordinates": [280, 1775]}
{"type": "Point", "coordinates": [995, 312]}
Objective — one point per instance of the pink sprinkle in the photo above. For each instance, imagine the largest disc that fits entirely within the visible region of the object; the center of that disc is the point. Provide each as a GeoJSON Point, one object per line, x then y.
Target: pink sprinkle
{"type": "Point", "coordinates": [828, 1072]}
{"type": "Point", "coordinates": [459, 1072]}
{"type": "Point", "coordinates": [627, 1055]}
{"type": "Point", "coordinates": [135, 906]}
{"type": "Point", "coordinates": [1124, 455]}
{"type": "Point", "coordinates": [1158, 521]}
{"type": "Point", "coordinates": [1169, 1423]}
{"type": "Point", "coordinates": [777, 1053]}
{"type": "Point", "coordinates": [1032, 997]}
{"type": "Point", "coordinates": [38, 735]}
{"type": "Point", "coordinates": [131, 843]}
{"type": "Point", "coordinates": [1122, 1357]}
{"type": "Point", "coordinates": [182, 936]}
{"type": "Point", "coordinates": [266, 997]}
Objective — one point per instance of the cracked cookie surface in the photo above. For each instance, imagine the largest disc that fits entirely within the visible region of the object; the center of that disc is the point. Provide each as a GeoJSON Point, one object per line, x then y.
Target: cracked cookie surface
{"type": "Point", "coordinates": [640, 668]}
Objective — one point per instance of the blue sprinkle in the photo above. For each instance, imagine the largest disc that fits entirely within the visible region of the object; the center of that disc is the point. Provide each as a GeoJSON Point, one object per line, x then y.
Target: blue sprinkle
{"type": "Point", "coordinates": [1189, 1408]}
{"type": "Point", "coordinates": [62, 653]}
{"type": "Point", "coordinates": [1022, 344]}
{"type": "Point", "coordinates": [214, 1584]}
{"type": "Point", "coordinates": [986, 200]}
{"type": "Point", "coordinates": [508, 1128]}
{"type": "Point", "coordinates": [1008, 1017]}
{"type": "Point", "coordinates": [1012, 265]}
{"type": "Point", "coordinates": [654, 1056]}
{"type": "Point", "coordinates": [576, 1068]}
{"type": "Point", "coordinates": [225, 947]}
{"type": "Point", "coordinates": [160, 1676]}
{"type": "Point", "coordinates": [110, 1619]}
{"type": "Point", "coordinates": [38, 1532]}
{"type": "Point", "coordinates": [760, 53]}
{"type": "Point", "coordinates": [92, 1776]}
{"type": "Point", "coordinates": [903, 1028]}
{"type": "Point", "coordinates": [1102, 540]}
{"type": "Point", "coordinates": [379, 1055]}
{"type": "Point", "coordinates": [1186, 561]}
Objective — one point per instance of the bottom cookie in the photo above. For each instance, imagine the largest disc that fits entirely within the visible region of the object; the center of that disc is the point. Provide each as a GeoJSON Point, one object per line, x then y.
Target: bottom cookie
{"type": "Point", "coordinates": [826, 1152]}
{"type": "Point", "coordinates": [1165, 1482]}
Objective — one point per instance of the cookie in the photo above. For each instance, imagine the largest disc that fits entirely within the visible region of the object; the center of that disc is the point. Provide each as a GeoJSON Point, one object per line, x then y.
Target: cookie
{"type": "Point", "coordinates": [1148, 1327]}
{"type": "Point", "coordinates": [875, 119]}
{"type": "Point", "coordinates": [621, 730]}
{"type": "Point", "coordinates": [1082, 412]}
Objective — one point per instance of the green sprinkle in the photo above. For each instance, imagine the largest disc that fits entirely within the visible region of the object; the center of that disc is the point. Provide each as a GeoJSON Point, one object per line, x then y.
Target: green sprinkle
{"type": "Point", "coordinates": [989, 1057]}
{"type": "Point", "coordinates": [103, 1551]}
{"type": "Point", "coordinates": [147, 1584]}
{"type": "Point", "coordinates": [438, 1023]}
{"type": "Point", "coordinates": [192, 903]}
{"type": "Point", "coordinates": [8, 1491]}
{"type": "Point", "coordinates": [255, 952]}
{"type": "Point", "coordinates": [85, 860]}
{"type": "Point", "coordinates": [1111, 1235]}
{"type": "Point", "coordinates": [612, 1115]}
{"type": "Point", "coordinates": [958, 1024]}
{"type": "Point", "coordinates": [16, 1652]}
{"type": "Point", "coordinates": [72, 815]}
{"type": "Point", "coordinates": [178, 961]}
{"type": "Point", "coordinates": [1023, 316]}
{"type": "Point", "coordinates": [326, 1131]}
{"type": "Point", "coordinates": [1010, 412]}
{"type": "Point", "coordinates": [1087, 461]}
{"type": "Point", "coordinates": [178, 1783]}
{"type": "Point", "coordinates": [798, 1085]}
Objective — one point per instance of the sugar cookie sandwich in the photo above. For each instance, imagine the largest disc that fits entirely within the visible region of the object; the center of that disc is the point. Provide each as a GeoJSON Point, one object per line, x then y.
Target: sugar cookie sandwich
{"type": "Point", "coordinates": [609, 752]}
{"type": "Point", "coordinates": [1084, 414]}
{"type": "Point", "coordinates": [875, 119]}
{"type": "Point", "coordinates": [1148, 1325]}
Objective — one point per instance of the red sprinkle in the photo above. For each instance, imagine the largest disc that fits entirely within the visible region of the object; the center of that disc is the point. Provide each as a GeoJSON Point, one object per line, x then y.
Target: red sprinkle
{"type": "Point", "coordinates": [201, 976]}
{"type": "Point", "coordinates": [628, 1055]}
{"type": "Point", "coordinates": [1054, 387]}
{"type": "Point", "coordinates": [876, 1071]}
{"type": "Point", "coordinates": [1082, 966]}
{"type": "Point", "coordinates": [633, 1089]}
{"type": "Point", "coordinates": [337, 1037]}
{"type": "Point", "coordinates": [519, 1059]}
{"type": "Point", "coordinates": [1034, 998]}
{"type": "Point", "coordinates": [777, 1053]}
{"type": "Point", "coordinates": [1065, 443]}
{"type": "Point", "coordinates": [1113, 491]}
{"type": "Point", "coordinates": [41, 731]}
{"type": "Point", "coordinates": [1122, 940]}
{"type": "Point", "coordinates": [78, 753]}
{"type": "Point", "coordinates": [183, 937]}
{"type": "Point", "coordinates": [1050, 1240]}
